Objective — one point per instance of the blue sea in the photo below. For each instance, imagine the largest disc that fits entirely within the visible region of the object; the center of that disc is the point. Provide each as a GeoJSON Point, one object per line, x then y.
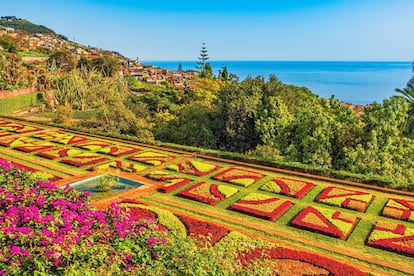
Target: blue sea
{"type": "Point", "coordinates": [357, 82]}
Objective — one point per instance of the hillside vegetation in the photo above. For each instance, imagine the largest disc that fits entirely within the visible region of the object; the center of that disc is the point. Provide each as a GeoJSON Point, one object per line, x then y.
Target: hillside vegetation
{"type": "Point", "coordinates": [27, 26]}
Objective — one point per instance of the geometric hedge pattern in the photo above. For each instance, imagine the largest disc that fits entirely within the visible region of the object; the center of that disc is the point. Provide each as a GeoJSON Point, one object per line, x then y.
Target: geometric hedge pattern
{"type": "Point", "coordinates": [239, 190]}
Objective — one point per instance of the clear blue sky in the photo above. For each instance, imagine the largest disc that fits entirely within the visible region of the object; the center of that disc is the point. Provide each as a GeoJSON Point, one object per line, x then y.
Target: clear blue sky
{"type": "Point", "coordinates": [231, 29]}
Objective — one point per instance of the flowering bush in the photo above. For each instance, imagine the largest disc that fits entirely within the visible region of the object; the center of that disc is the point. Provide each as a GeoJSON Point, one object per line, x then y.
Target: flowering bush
{"type": "Point", "coordinates": [194, 167]}
{"type": "Point", "coordinates": [46, 230]}
{"type": "Point", "coordinates": [288, 186]}
{"type": "Point", "coordinates": [328, 222]}
{"type": "Point", "coordinates": [346, 198]}
{"type": "Point", "coordinates": [238, 176]}
{"type": "Point", "coordinates": [393, 237]}
{"type": "Point", "coordinates": [262, 206]}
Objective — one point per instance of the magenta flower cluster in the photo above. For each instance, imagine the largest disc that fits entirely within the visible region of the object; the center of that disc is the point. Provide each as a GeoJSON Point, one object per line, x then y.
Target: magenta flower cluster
{"type": "Point", "coordinates": [44, 229]}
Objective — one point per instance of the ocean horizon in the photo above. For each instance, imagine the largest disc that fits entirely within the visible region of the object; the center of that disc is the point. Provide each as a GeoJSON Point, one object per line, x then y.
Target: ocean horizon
{"type": "Point", "coordinates": [357, 82]}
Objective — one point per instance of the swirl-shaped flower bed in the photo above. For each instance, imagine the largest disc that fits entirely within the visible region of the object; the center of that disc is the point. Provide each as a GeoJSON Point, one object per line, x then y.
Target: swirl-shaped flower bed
{"type": "Point", "coordinates": [26, 144]}
{"type": "Point", "coordinates": [393, 237]}
{"type": "Point", "coordinates": [17, 127]}
{"type": "Point", "coordinates": [150, 157]}
{"type": "Point", "coordinates": [328, 222]}
{"type": "Point", "coordinates": [125, 166]}
{"type": "Point", "coordinates": [238, 176]}
{"type": "Point", "coordinates": [208, 193]}
{"type": "Point", "coordinates": [172, 181]}
{"type": "Point", "coordinates": [94, 145]}
{"type": "Point", "coordinates": [262, 206]}
{"type": "Point", "coordinates": [194, 167]}
{"type": "Point", "coordinates": [401, 209]}
{"type": "Point", "coordinates": [60, 152]}
{"type": "Point", "coordinates": [345, 198]}
{"type": "Point", "coordinates": [118, 150]}
{"type": "Point", "coordinates": [84, 159]}
{"type": "Point", "coordinates": [288, 186]}
{"type": "Point", "coordinates": [60, 137]}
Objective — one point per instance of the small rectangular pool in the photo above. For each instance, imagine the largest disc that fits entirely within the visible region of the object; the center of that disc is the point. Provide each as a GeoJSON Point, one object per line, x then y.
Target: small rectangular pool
{"type": "Point", "coordinates": [104, 186]}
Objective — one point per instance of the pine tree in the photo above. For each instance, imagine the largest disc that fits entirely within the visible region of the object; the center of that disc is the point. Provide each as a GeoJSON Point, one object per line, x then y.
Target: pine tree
{"type": "Point", "coordinates": [203, 58]}
{"type": "Point", "coordinates": [180, 68]}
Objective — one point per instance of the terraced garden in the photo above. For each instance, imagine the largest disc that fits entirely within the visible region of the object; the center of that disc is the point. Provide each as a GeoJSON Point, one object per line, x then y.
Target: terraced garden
{"type": "Point", "coordinates": [322, 224]}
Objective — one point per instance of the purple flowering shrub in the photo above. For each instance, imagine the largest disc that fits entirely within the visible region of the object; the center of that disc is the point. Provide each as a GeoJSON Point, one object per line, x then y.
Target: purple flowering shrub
{"type": "Point", "coordinates": [47, 230]}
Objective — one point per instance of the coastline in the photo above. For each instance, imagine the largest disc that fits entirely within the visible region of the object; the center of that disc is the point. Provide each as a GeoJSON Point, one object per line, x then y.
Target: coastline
{"type": "Point", "coordinates": [356, 82]}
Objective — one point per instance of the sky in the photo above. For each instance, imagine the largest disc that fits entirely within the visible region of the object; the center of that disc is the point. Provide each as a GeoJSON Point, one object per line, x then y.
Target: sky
{"type": "Point", "coordinates": [378, 30]}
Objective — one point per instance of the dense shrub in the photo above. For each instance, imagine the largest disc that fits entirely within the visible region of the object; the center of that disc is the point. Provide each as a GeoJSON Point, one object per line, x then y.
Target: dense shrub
{"type": "Point", "coordinates": [46, 230]}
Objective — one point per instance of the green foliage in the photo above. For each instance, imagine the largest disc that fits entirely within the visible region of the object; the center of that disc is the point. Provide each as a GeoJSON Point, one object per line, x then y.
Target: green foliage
{"type": "Point", "coordinates": [11, 104]}
{"type": "Point", "coordinates": [24, 25]}
{"type": "Point", "coordinates": [64, 114]}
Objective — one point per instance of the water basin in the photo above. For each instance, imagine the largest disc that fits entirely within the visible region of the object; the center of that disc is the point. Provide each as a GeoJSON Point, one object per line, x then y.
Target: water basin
{"type": "Point", "coordinates": [104, 186]}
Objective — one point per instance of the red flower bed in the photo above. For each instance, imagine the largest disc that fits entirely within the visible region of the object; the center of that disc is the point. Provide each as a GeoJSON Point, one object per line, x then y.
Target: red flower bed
{"type": "Point", "coordinates": [94, 145]}
{"type": "Point", "coordinates": [345, 198]}
{"type": "Point", "coordinates": [393, 237]}
{"type": "Point", "coordinates": [288, 186]}
{"type": "Point", "coordinates": [125, 166]}
{"type": "Point", "coordinates": [25, 144]}
{"type": "Point", "coordinates": [153, 158]}
{"type": "Point", "coordinates": [401, 209]}
{"type": "Point", "coordinates": [82, 160]}
{"type": "Point", "coordinates": [334, 267]}
{"type": "Point", "coordinates": [4, 134]}
{"type": "Point", "coordinates": [270, 208]}
{"type": "Point", "coordinates": [197, 228]}
{"type": "Point", "coordinates": [194, 167]}
{"type": "Point", "coordinates": [239, 176]}
{"type": "Point", "coordinates": [327, 222]}
{"type": "Point", "coordinates": [140, 214]}
{"type": "Point", "coordinates": [206, 193]}
{"type": "Point", "coordinates": [60, 137]}
{"type": "Point", "coordinates": [118, 150]}
{"type": "Point", "coordinates": [172, 181]}
{"type": "Point", "coordinates": [58, 153]}
{"type": "Point", "coordinates": [18, 127]}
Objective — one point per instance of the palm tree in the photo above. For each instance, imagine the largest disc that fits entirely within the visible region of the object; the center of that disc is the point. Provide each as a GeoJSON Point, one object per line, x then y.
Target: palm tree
{"type": "Point", "coordinates": [408, 94]}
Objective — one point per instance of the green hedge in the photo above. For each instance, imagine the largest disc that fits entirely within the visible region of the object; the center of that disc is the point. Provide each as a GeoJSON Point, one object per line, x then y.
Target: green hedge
{"type": "Point", "coordinates": [11, 104]}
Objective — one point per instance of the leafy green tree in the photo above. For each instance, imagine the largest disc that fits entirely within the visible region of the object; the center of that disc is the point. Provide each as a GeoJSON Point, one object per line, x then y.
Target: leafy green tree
{"type": "Point", "coordinates": [309, 137]}
{"type": "Point", "coordinates": [383, 150]}
{"type": "Point", "coordinates": [408, 94]}
{"type": "Point", "coordinates": [193, 126]}
{"type": "Point", "coordinates": [273, 118]}
{"type": "Point", "coordinates": [238, 110]}
{"type": "Point", "coordinates": [63, 59]}
{"type": "Point", "coordinates": [106, 65]}
{"type": "Point", "coordinates": [224, 74]}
